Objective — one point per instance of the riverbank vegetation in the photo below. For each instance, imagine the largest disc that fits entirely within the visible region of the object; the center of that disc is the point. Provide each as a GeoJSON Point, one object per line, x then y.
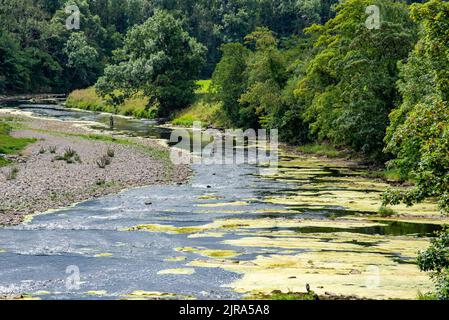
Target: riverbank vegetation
{"type": "Point", "coordinates": [321, 72]}
{"type": "Point", "coordinates": [8, 144]}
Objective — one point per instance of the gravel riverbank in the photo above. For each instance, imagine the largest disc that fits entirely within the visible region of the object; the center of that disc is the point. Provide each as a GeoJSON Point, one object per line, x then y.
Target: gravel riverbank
{"type": "Point", "coordinates": [43, 182]}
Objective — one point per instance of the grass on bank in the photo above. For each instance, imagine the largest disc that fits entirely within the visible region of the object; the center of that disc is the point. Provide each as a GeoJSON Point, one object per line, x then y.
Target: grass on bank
{"type": "Point", "coordinates": [87, 99]}
{"type": "Point", "coordinates": [203, 109]}
{"type": "Point", "coordinates": [9, 144]}
{"type": "Point", "coordinates": [210, 113]}
{"type": "Point", "coordinates": [155, 153]}
{"type": "Point", "coordinates": [325, 150]}
{"type": "Point", "coordinates": [278, 295]}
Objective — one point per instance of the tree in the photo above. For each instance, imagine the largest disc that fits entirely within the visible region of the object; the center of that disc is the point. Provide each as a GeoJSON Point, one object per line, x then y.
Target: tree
{"type": "Point", "coordinates": [82, 60]}
{"type": "Point", "coordinates": [159, 60]}
{"type": "Point", "coordinates": [267, 76]}
{"type": "Point", "coordinates": [229, 79]}
{"type": "Point", "coordinates": [436, 260]}
{"type": "Point", "coordinates": [13, 75]}
{"type": "Point", "coordinates": [419, 132]}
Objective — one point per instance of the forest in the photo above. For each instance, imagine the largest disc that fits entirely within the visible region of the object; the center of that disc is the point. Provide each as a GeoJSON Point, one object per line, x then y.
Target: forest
{"type": "Point", "coordinates": [313, 69]}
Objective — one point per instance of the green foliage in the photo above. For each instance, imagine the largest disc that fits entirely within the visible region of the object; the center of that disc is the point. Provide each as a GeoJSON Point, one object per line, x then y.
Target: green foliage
{"type": "Point", "coordinates": [103, 162]}
{"type": "Point", "coordinates": [229, 78]}
{"type": "Point", "coordinates": [436, 260]}
{"type": "Point", "coordinates": [82, 59]}
{"type": "Point", "coordinates": [321, 150]}
{"type": "Point", "coordinates": [349, 89]}
{"type": "Point", "coordinates": [110, 152]}
{"type": "Point", "coordinates": [158, 58]}
{"type": "Point", "coordinates": [386, 212]}
{"type": "Point", "coordinates": [419, 132]}
{"type": "Point", "coordinates": [256, 85]}
{"type": "Point", "coordinates": [9, 144]}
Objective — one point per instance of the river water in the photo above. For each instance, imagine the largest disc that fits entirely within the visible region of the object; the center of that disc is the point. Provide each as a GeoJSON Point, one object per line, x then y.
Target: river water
{"type": "Point", "coordinates": [43, 256]}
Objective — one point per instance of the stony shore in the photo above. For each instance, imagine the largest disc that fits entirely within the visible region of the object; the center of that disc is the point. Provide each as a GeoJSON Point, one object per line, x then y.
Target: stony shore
{"type": "Point", "coordinates": [43, 182]}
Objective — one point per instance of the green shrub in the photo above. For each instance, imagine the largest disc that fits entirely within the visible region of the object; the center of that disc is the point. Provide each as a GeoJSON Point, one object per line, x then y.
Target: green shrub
{"type": "Point", "coordinates": [386, 212]}
{"type": "Point", "coordinates": [110, 153]}
{"type": "Point", "coordinates": [436, 261]}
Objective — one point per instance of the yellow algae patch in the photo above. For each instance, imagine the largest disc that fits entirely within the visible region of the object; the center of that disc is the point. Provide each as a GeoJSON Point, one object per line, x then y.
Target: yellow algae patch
{"type": "Point", "coordinates": [41, 293]}
{"type": "Point", "coordinates": [219, 211]}
{"type": "Point", "coordinates": [224, 224]}
{"type": "Point", "coordinates": [152, 295]}
{"type": "Point", "coordinates": [223, 204]}
{"type": "Point", "coordinates": [442, 220]}
{"type": "Point", "coordinates": [280, 211]}
{"type": "Point", "coordinates": [349, 200]}
{"type": "Point", "coordinates": [2, 250]}
{"type": "Point", "coordinates": [25, 297]}
{"type": "Point", "coordinates": [103, 255]}
{"type": "Point", "coordinates": [288, 223]}
{"type": "Point", "coordinates": [176, 259]}
{"type": "Point", "coordinates": [211, 253]}
{"type": "Point", "coordinates": [366, 274]}
{"type": "Point", "coordinates": [406, 247]}
{"type": "Point", "coordinates": [180, 271]}
{"type": "Point", "coordinates": [164, 228]}
{"type": "Point", "coordinates": [210, 197]}
{"type": "Point", "coordinates": [207, 235]}
{"type": "Point", "coordinates": [97, 293]}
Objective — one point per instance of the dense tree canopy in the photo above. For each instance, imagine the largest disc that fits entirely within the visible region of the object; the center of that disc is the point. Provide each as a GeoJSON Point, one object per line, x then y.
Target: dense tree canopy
{"type": "Point", "coordinates": [159, 60]}
{"type": "Point", "coordinates": [349, 88]}
{"type": "Point", "coordinates": [419, 130]}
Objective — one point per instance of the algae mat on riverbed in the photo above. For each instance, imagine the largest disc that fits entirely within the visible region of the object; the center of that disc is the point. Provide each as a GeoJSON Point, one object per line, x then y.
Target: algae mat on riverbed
{"type": "Point", "coordinates": [324, 233]}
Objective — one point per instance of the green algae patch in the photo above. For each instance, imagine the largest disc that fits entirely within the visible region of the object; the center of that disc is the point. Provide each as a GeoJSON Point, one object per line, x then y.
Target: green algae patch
{"type": "Point", "coordinates": [441, 220]}
{"type": "Point", "coordinates": [97, 292]}
{"type": "Point", "coordinates": [369, 275]}
{"type": "Point", "coordinates": [176, 259]}
{"type": "Point", "coordinates": [270, 223]}
{"type": "Point", "coordinates": [103, 255]}
{"type": "Point", "coordinates": [207, 235]}
{"type": "Point", "coordinates": [210, 253]}
{"type": "Point", "coordinates": [336, 184]}
{"type": "Point", "coordinates": [223, 204]}
{"type": "Point", "coordinates": [279, 295]}
{"type": "Point", "coordinates": [227, 211]}
{"type": "Point", "coordinates": [210, 197]}
{"type": "Point", "coordinates": [154, 295]}
{"type": "Point", "coordinates": [178, 271]}
{"type": "Point", "coordinates": [163, 228]}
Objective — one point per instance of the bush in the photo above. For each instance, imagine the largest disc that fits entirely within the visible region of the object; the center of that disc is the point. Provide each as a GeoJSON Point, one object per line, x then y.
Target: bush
{"type": "Point", "coordinates": [386, 212]}
{"type": "Point", "coordinates": [436, 261]}
{"type": "Point", "coordinates": [111, 153]}
{"type": "Point", "coordinates": [70, 156]}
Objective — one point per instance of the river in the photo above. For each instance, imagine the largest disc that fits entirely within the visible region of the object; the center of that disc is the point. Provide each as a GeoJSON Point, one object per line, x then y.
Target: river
{"type": "Point", "coordinates": [228, 233]}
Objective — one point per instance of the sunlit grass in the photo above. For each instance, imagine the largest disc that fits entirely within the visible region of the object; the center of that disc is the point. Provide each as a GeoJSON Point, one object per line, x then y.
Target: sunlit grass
{"type": "Point", "coordinates": [326, 150]}
{"type": "Point", "coordinates": [9, 144]}
{"type": "Point", "coordinates": [87, 99]}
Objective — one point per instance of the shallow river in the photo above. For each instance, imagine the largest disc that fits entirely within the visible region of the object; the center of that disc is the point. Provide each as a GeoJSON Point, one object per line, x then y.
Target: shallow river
{"type": "Point", "coordinates": [227, 233]}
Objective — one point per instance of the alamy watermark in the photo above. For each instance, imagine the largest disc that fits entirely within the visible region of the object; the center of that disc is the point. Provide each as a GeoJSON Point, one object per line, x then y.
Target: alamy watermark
{"type": "Point", "coordinates": [73, 281]}
{"type": "Point", "coordinates": [373, 20]}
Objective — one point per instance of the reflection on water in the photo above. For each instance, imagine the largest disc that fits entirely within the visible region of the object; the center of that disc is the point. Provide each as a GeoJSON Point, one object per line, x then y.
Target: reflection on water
{"type": "Point", "coordinates": [391, 228]}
